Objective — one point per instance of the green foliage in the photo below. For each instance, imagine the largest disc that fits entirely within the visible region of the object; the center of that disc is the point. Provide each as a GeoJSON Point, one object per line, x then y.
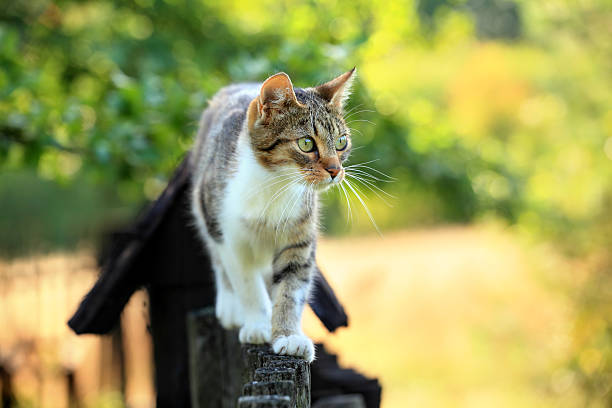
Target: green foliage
{"type": "Point", "coordinates": [37, 212]}
{"type": "Point", "coordinates": [107, 94]}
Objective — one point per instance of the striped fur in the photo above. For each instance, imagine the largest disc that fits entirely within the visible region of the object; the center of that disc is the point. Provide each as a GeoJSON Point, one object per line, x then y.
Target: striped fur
{"type": "Point", "coordinates": [255, 200]}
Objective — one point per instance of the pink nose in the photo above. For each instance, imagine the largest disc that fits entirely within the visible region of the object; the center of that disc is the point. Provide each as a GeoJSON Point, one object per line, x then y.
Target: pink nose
{"type": "Point", "coordinates": [333, 171]}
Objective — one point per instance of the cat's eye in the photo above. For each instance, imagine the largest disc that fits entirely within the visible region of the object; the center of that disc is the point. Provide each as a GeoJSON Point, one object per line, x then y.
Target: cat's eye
{"type": "Point", "coordinates": [341, 143]}
{"type": "Point", "coordinates": [306, 144]}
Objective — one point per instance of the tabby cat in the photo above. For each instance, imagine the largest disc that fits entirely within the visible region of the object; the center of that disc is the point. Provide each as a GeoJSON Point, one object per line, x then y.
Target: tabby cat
{"type": "Point", "coordinates": [262, 156]}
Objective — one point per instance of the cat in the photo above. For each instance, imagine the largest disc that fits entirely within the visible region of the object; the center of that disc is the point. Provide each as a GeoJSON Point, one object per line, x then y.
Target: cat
{"type": "Point", "coordinates": [263, 154]}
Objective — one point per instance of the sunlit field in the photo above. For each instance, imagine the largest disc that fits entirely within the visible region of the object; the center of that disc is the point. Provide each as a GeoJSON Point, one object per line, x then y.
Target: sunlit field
{"type": "Point", "coordinates": [37, 297]}
{"type": "Point", "coordinates": [452, 317]}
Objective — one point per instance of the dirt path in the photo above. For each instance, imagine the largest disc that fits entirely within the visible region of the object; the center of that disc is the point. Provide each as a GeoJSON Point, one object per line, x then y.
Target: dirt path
{"type": "Point", "coordinates": [450, 317]}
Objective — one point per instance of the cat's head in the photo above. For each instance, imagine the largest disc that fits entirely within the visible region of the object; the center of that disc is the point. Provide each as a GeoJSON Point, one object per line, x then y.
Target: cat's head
{"type": "Point", "coordinates": [302, 130]}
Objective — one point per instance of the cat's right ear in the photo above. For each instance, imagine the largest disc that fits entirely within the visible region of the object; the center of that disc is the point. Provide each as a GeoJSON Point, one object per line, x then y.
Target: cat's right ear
{"type": "Point", "coordinates": [275, 95]}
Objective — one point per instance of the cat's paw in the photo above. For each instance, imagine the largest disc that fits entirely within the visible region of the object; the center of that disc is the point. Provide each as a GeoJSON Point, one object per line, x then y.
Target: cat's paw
{"type": "Point", "coordinates": [228, 311]}
{"type": "Point", "coordinates": [294, 345]}
{"type": "Point", "coordinates": [255, 333]}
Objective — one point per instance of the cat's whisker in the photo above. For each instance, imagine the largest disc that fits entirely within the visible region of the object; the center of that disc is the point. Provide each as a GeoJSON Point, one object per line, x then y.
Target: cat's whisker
{"type": "Point", "coordinates": [280, 176]}
{"type": "Point", "coordinates": [276, 195]}
{"type": "Point", "coordinates": [358, 112]}
{"type": "Point", "coordinates": [362, 167]}
{"type": "Point", "coordinates": [365, 207]}
{"type": "Point", "coordinates": [371, 186]}
{"type": "Point", "coordinates": [283, 189]}
{"type": "Point", "coordinates": [265, 181]}
{"type": "Point", "coordinates": [276, 227]}
{"type": "Point", "coordinates": [292, 177]}
{"type": "Point", "coordinates": [360, 120]}
{"type": "Point", "coordinates": [281, 220]}
{"type": "Point", "coordinates": [349, 213]}
{"type": "Point", "coordinates": [366, 174]}
{"type": "Point", "coordinates": [257, 188]}
{"type": "Point", "coordinates": [353, 108]}
{"type": "Point", "coordinates": [307, 191]}
{"type": "Point", "coordinates": [359, 164]}
{"type": "Point", "coordinates": [293, 199]}
{"type": "Point", "coordinates": [356, 130]}
{"type": "Point", "coordinates": [291, 173]}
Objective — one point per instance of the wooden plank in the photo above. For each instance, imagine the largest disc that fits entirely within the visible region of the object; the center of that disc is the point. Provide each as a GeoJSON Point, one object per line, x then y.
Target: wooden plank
{"type": "Point", "coordinates": [221, 369]}
{"type": "Point", "coordinates": [215, 362]}
{"type": "Point", "coordinates": [341, 401]}
{"type": "Point", "coordinates": [264, 401]}
{"type": "Point", "coordinates": [282, 387]}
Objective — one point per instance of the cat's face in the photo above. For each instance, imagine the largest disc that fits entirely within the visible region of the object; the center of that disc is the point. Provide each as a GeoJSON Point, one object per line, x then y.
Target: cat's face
{"type": "Point", "coordinates": [302, 131]}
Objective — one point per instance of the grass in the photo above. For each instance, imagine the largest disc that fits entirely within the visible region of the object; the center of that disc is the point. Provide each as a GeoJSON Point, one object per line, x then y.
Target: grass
{"type": "Point", "coordinates": [450, 317]}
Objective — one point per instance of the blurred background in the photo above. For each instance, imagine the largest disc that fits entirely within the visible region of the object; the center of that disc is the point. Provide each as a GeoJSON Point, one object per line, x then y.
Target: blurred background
{"type": "Point", "coordinates": [491, 283]}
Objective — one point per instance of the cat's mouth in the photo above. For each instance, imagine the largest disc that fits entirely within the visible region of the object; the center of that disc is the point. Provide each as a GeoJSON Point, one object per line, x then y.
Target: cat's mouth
{"type": "Point", "coordinates": [326, 180]}
{"type": "Point", "coordinates": [337, 179]}
{"type": "Point", "coordinates": [323, 179]}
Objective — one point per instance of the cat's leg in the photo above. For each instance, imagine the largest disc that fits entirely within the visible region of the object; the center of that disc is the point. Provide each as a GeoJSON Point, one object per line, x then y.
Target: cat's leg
{"type": "Point", "coordinates": [291, 284]}
{"type": "Point", "coordinates": [251, 293]}
{"type": "Point", "coordinates": [227, 307]}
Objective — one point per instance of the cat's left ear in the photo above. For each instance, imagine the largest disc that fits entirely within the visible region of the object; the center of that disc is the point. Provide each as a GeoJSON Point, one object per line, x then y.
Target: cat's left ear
{"type": "Point", "coordinates": [337, 91]}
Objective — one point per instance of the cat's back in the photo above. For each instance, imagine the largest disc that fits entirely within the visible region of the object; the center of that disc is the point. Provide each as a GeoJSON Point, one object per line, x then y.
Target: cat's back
{"type": "Point", "coordinates": [221, 123]}
{"type": "Point", "coordinates": [226, 110]}
{"type": "Point", "coordinates": [214, 155]}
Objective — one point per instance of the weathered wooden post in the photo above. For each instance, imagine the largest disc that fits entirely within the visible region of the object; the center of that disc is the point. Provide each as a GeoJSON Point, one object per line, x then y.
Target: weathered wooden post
{"type": "Point", "coordinates": [221, 370]}
{"type": "Point", "coordinates": [215, 361]}
{"type": "Point", "coordinates": [6, 382]}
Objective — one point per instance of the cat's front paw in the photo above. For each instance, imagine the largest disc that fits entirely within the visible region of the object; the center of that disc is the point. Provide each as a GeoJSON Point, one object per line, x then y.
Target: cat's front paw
{"type": "Point", "coordinates": [255, 333]}
{"type": "Point", "coordinates": [294, 345]}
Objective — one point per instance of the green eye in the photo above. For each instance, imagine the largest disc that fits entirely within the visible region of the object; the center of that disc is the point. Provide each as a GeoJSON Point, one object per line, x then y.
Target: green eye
{"type": "Point", "coordinates": [341, 143]}
{"type": "Point", "coordinates": [306, 144]}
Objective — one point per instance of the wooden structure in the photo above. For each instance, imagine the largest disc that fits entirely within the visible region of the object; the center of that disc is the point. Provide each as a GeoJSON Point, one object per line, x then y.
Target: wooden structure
{"type": "Point", "coordinates": [162, 253]}
{"type": "Point", "coordinates": [225, 374]}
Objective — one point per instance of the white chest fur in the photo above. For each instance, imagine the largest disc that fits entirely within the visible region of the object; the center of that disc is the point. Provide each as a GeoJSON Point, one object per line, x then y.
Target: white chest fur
{"type": "Point", "coordinates": [259, 196]}
{"type": "Point", "coordinates": [257, 209]}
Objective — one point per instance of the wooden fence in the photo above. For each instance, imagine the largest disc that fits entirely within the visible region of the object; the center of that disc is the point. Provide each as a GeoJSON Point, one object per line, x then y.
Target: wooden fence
{"type": "Point", "coordinates": [225, 374]}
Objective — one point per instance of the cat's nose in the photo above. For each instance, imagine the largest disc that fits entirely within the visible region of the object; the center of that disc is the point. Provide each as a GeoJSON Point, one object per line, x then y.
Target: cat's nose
{"type": "Point", "coordinates": [333, 171]}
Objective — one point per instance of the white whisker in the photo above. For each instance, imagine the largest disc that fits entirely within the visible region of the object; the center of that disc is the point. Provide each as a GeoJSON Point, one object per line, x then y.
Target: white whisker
{"type": "Point", "coordinates": [364, 206]}
{"type": "Point", "coordinates": [356, 130]}
{"type": "Point", "coordinates": [293, 199]}
{"type": "Point", "coordinates": [373, 186]}
{"type": "Point", "coordinates": [257, 189]}
{"type": "Point", "coordinates": [361, 120]}
{"type": "Point", "coordinates": [275, 196]}
{"type": "Point", "coordinates": [358, 112]}
{"type": "Point", "coordinates": [364, 173]}
{"type": "Point", "coordinates": [353, 108]}
{"type": "Point", "coordinates": [359, 166]}
{"type": "Point", "coordinates": [349, 213]}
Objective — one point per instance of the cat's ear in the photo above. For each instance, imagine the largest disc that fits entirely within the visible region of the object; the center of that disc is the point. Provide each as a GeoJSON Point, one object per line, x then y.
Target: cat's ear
{"type": "Point", "coordinates": [276, 93]}
{"type": "Point", "coordinates": [337, 91]}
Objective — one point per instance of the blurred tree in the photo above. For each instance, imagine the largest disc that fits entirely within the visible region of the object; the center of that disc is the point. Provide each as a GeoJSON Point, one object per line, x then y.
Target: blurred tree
{"type": "Point", "coordinates": [496, 18]}
{"type": "Point", "coordinates": [105, 96]}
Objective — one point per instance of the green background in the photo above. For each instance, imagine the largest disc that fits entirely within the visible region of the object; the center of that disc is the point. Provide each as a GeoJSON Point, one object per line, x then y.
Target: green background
{"type": "Point", "coordinates": [481, 110]}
